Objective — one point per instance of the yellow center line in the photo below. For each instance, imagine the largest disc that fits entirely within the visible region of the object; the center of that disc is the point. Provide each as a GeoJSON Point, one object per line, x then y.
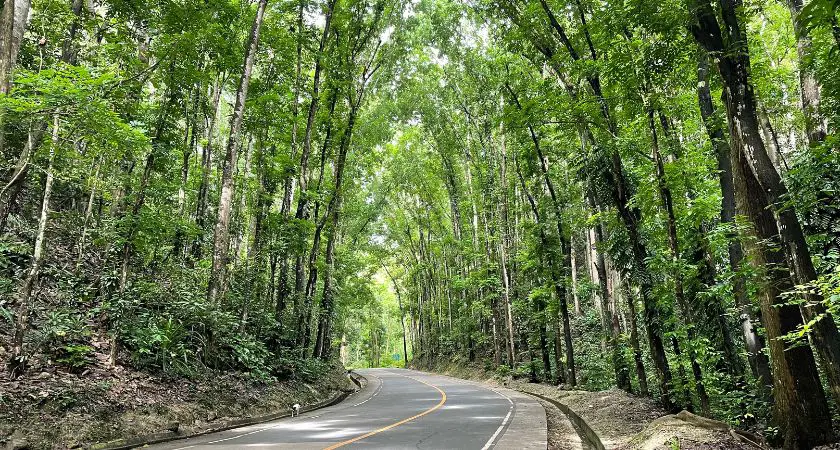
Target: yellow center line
{"type": "Point", "coordinates": [393, 425]}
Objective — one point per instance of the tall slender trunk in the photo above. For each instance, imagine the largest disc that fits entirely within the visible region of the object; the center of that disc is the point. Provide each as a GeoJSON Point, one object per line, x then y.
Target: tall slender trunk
{"type": "Point", "coordinates": [206, 163]}
{"type": "Point", "coordinates": [504, 243]}
{"type": "Point", "coordinates": [190, 146]}
{"type": "Point", "coordinates": [402, 313]}
{"type": "Point", "coordinates": [283, 289]}
{"type": "Point", "coordinates": [10, 191]}
{"type": "Point", "coordinates": [134, 219]}
{"type": "Point", "coordinates": [622, 374]}
{"type": "Point", "coordinates": [809, 87]}
{"type": "Point", "coordinates": [303, 311]}
{"type": "Point", "coordinates": [754, 342]}
{"type": "Point", "coordinates": [800, 410]}
{"type": "Point", "coordinates": [323, 341]}
{"type": "Point", "coordinates": [541, 303]}
{"type": "Point", "coordinates": [565, 253]}
{"type": "Point", "coordinates": [616, 179]}
{"type": "Point", "coordinates": [676, 261]}
{"type": "Point", "coordinates": [573, 270]}
{"type": "Point", "coordinates": [16, 361]}
{"type": "Point", "coordinates": [222, 230]}
{"type": "Point", "coordinates": [641, 373]}
{"type": "Point", "coordinates": [333, 214]}
{"type": "Point", "coordinates": [88, 213]}
{"type": "Point", "coordinates": [13, 21]}
{"type": "Point", "coordinates": [305, 294]}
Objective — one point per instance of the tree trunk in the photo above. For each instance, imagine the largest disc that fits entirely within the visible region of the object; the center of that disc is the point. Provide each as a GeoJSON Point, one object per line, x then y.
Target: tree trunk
{"type": "Point", "coordinates": [302, 211]}
{"type": "Point", "coordinates": [744, 128]}
{"type": "Point", "coordinates": [622, 373]}
{"type": "Point", "coordinates": [641, 373]}
{"type": "Point", "coordinates": [573, 269]}
{"type": "Point", "coordinates": [541, 304]}
{"type": "Point", "coordinates": [303, 300]}
{"type": "Point", "coordinates": [630, 216]}
{"type": "Point", "coordinates": [13, 21]}
{"type": "Point", "coordinates": [16, 361]}
{"type": "Point", "coordinates": [222, 230]}
{"type": "Point", "coordinates": [206, 159]}
{"type": "Point", "coordinates": [11, 190]}
{"type": "Point", "coordinates": [809, 87]}
{"type": "Point", "coordinates": [134, 218]}
{"type": "Point", "coordinates": [402, 315]}
{"type": "Point", "coordinates": [673, 244]}
{"type": "Point", "coordinates": [753, 341]}
{"type": "Point", "coordinates": [88, 213]}
{"type": "Point", "coordinates": [565, 253]}
{"type": "Point", "coordinates": [283, 288]}
{"type": "Point", "coordinates": [504, 243]}
{"type": "Point", "coordinates": [333, 212]}
{"type": "Point", "coordinates": [323, 343]}
{"type": "Point", "coordinates": [800, 409]}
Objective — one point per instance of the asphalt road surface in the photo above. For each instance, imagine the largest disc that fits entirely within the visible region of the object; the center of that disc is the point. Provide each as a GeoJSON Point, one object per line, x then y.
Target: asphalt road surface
{"type": "Point", "coordinates": [398, 409]}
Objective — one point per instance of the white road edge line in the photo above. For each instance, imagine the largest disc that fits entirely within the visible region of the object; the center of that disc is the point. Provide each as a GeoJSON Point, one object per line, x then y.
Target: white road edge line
{"type": "Point", "coordinates": [489, 443]}
{"type": "Point", "coordinates": [498, 430]}
{"type": "Point", "coordinates": [379, 388]}
{"type": "Point", "coordinates": [493, 438]}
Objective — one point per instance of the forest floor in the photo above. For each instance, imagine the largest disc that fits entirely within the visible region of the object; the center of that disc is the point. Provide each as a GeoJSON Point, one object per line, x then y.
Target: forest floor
{"type": "Point", "coordinates": [622, 421]}
{"type": "Point", "coordinates": [53, 409]}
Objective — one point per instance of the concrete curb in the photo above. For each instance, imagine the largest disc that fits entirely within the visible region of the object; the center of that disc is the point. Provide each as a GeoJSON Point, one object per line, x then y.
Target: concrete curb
{"type": "Point", "coordinates": [357, 379]}
{"type": "Point", "coordinates": [584, 430]}
{"type": "Point", "coordinates": [173, 434]}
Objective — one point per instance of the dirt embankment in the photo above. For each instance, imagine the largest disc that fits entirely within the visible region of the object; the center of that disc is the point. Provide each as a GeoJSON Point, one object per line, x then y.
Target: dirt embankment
{"type": "Point", "coordinates": [63, 410]}
{"type": "Point", "coordinates": [624, 421]}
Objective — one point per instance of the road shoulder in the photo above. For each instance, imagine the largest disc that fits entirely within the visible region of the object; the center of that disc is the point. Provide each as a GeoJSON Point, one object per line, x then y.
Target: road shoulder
{"type": "Point", "coordinates": [528, 428]}
{"type": "Point", "coordinates": [525, 429]}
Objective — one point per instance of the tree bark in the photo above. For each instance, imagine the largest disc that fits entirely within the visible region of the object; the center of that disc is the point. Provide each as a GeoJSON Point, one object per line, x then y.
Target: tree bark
{"type": "Point", "coordinates": [753, 341]}
{"type": "Point", "coordinates": [622, 373]}
{"type": "Point", "coordinates": [16, 361]}
{"type": "Point", "coordinates": [221, 239]}
{"type": "Point", "coordinates": [673, 244]}
{"type": "Point", "coordinates": [11, 190]}
{"type": "Point", "coordinates": [540, 303]}
{"type": "Point", "coordinates": [641, 373]}
{"type": "Point", "coordinates": [809, 87]}
{"type": "Point", "coordinates": [800, 409]}
{"type": "Point", "coordinates": [88, 212]}
{"type": "Point", "coordinates": [206, 160]}
{"type": "Point", "coordinates": [617, 181]}
{"type": "Point", "coordinates": [402, 314]}
{"type": "Point", "coordinates": [283, 288]}
{"type": "Point", "coordinates": [565, 253]}
{"type": "Point", "coordinates": [504, 243]}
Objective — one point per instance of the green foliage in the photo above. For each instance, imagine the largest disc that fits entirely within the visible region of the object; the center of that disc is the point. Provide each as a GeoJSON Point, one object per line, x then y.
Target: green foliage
{"type": "Point", "coordinates": [307, 370]}
{"type": "Point", "coordinates": [75, 357]}
{"type": "Point", "coordinates": [502, 372]}
{"type": "Point", "coordinates": [253, 357]}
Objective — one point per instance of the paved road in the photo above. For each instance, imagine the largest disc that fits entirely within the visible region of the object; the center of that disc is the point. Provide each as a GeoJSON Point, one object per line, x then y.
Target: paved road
{"type": "Point", "coordinates": [399, 409]}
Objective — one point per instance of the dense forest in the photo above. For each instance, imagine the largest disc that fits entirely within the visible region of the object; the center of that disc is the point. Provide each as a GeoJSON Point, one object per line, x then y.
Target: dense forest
{"type": "Point", "coordinates": [592, 193]}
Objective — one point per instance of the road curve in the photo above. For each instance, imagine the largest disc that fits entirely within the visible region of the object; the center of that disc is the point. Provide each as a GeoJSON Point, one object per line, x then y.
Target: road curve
{"type": "Point", "coordinates": [398, 409]}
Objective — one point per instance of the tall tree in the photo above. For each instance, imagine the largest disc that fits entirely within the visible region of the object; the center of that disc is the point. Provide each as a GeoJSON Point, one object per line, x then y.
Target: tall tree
{"type": "Point", "coordinates": [222, 231]}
